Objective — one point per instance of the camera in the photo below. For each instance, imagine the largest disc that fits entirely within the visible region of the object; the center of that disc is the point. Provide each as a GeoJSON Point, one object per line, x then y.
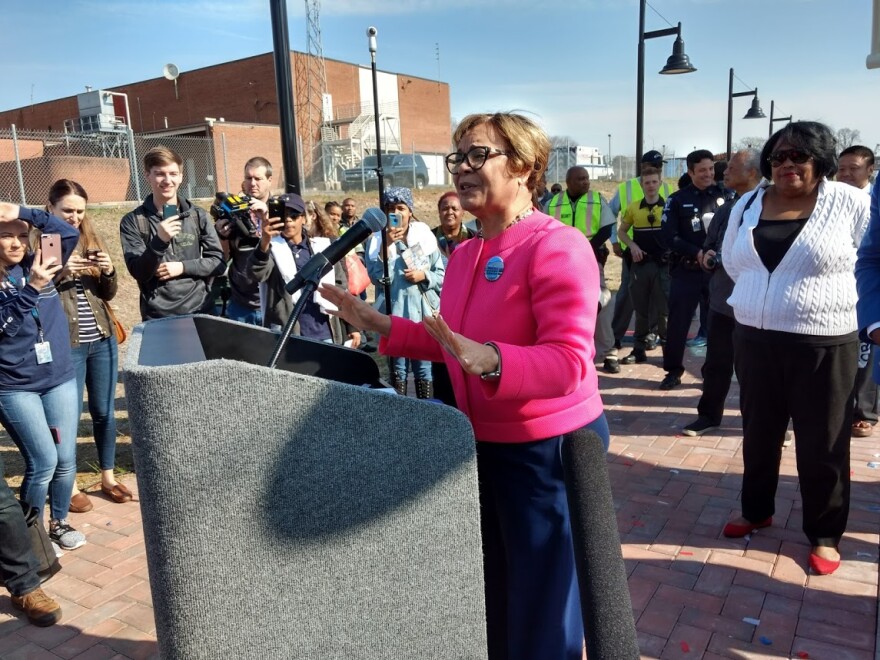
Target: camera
{"type": "Point", "coordinates": [712, 261]}
{"type": "Point", "coordinates": [91, 255]}
{"type": "Point", "coordinates": [235, 209]}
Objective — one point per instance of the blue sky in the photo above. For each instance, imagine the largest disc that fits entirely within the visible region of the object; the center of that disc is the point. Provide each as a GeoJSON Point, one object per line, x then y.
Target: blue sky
{"type": "Point", "coordinates": [570, 63]}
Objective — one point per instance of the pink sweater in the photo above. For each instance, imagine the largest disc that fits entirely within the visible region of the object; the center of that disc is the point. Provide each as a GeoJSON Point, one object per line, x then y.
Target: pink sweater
{"type": "Point", "coordinates": [541, 314]}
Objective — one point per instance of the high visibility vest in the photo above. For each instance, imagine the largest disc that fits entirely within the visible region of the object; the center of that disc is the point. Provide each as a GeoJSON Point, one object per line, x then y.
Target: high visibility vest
{"type": "Point", "coordinates": [589, 204]}
{"type": "Point", "coordinates": [631, 191]}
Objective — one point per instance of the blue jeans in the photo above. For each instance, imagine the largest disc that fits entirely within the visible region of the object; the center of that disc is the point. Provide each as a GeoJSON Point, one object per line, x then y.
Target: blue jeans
{"type": "Point", "coordinates": [96, 364]}
{"type": "Point", "coordinates": [421, 369]}
{"type": "Point", "coordinates": [243, 314]}
{"type": "Point", "coordinates": [49, 467]}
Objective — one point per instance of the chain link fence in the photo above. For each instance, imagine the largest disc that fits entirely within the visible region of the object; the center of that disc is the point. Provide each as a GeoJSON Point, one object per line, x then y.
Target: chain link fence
{"type": "Point", "coordinates": [102, 162]}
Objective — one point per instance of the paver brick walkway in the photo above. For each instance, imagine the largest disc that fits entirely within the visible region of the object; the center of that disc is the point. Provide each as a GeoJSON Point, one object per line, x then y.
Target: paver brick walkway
{"type": "Point", "coordinates": [694, 593]}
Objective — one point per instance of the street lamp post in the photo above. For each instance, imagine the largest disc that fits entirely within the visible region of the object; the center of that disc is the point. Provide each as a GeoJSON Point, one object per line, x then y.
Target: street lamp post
{"type": "Point", "coordinates": [774, 119]}
{"type": "Point", "coordinates": [608, 158]}
{"type": "Point", "coordinates": [754, 112]}
{"type": "Point", "coordinates": [677, 63]}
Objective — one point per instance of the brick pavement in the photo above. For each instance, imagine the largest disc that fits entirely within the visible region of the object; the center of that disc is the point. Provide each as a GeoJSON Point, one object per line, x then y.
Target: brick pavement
{"type": "Point", "coordinates": [695, 594]}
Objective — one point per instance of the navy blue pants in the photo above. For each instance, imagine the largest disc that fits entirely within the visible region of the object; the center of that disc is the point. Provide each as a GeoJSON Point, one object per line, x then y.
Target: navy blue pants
{"type": "Point", "coordinates": [533, 609]}
{"type": "Point", "coordinates": [687, 288]}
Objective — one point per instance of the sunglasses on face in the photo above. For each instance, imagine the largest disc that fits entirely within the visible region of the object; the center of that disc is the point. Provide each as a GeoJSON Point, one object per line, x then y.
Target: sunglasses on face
{"type": "Point", "coordinates": [476, 157]}
{"type": "Point", "coordinates": [796, 156]}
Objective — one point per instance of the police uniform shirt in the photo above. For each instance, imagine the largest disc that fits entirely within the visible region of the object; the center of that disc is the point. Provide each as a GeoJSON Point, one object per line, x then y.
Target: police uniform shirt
{"type": "Point", "coordinates": [683, 229]}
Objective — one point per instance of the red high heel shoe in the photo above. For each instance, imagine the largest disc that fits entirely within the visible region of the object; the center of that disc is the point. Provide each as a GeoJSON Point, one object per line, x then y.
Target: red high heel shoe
{"type": "Point", "coordinates": [737, 530]}
{"type": "Point", "coordinates": [823, 566]}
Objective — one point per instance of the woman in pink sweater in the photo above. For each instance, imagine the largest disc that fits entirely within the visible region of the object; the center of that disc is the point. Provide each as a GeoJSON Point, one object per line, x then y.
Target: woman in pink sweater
{"type": "Point", "coordinates": [517, 312]}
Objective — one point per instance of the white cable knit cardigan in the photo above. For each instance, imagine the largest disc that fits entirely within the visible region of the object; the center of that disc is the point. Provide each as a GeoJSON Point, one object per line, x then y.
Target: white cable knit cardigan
{"type": "Point", "coordinates": [813, 289]}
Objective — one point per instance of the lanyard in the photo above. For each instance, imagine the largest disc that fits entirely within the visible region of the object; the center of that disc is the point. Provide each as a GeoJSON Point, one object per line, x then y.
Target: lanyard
{"type": "Point", "coordinates": [34, 311]}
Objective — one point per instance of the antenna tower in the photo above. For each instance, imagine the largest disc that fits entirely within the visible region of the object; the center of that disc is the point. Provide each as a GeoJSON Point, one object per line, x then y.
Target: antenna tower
{"type": "Point", "coordinates": [311, 87]}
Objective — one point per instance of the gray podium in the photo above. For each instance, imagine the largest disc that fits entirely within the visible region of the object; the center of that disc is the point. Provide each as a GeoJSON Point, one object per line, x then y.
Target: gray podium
{"type": "Point", "coordinates": [294, 516]}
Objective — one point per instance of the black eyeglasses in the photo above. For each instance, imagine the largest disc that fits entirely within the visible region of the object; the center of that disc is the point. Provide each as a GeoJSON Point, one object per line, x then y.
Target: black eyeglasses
{"type": "Point", "coordinates": [476, 157]}
{"type": "Point", "coordinates": [796, 156]}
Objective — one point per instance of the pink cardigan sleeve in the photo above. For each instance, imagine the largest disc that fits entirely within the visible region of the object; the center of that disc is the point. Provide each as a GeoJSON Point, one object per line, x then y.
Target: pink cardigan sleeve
{"type": "Point", "coordinates": [564, 301]}
{"type": "Point", "coordinates": [410, 340]}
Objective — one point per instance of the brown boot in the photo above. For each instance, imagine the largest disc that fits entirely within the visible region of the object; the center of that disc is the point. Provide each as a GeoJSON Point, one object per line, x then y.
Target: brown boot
{"type": "Point", "coordinates": [425, 389]}
{"type": "Point", "coordinates": [40, 609]}
{"type": "Point", "coordinates": [399, 385]}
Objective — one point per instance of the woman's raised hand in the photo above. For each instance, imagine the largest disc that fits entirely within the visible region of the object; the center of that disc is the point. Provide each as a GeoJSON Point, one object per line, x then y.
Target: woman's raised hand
{"type": "Point", "coordinates": [42, 272]}
{"type": "Point", "coordinates": [355, 311]}
{"type": "Point", "coordinates": [474, 357]}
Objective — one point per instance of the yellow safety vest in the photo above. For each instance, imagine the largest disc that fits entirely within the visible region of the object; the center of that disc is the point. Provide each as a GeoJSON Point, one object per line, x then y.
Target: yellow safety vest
{"type": "Point", "coordinates": [560, 208]}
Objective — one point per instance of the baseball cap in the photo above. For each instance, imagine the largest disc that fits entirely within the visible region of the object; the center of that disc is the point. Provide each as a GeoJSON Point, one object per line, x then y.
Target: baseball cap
{"type": "Point", "coordinates": [293, 202]}
{"type": "Point", "coordinates": [654, 158]}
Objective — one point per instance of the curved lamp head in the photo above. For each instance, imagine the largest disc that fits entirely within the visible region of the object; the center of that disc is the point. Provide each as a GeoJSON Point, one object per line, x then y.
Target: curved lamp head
{"type": "Point", "coordinates": [678, 62]}
{"type": "Point", "coordinates": [755, 111]}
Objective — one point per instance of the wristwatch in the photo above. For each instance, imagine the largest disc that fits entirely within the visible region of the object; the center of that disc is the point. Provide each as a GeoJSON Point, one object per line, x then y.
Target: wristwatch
{"type": "Point", "coordinates": [493, 375]}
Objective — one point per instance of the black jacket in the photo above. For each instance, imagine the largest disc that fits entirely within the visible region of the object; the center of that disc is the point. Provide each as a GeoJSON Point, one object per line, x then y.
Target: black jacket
{"type": "Point", "coordinates": [196, 246]}
{"type": "Point", "coordinates": [720, 285]}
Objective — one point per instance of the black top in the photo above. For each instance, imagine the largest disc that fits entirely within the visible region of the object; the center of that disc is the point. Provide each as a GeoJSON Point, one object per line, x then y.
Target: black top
{"type": "Point", "coordinates": [773, 238]}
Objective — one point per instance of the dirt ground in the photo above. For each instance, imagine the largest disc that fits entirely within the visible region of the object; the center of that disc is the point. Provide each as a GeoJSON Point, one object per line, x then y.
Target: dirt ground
{"type": "Point", "coordinates": [106, 218]}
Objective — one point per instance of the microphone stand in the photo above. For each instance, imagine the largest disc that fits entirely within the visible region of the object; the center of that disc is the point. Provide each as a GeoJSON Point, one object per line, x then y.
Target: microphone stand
{"type": "Point", "coordinates": [311, 277]}
{"type": "Point", "coordinates": [380, 176]}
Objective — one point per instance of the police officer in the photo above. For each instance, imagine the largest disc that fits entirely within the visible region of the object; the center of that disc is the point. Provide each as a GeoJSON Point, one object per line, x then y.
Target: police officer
{"type": "Point", "coordinates": [685, 217]}
{"type": "Point", "coordinates": [586, 210]}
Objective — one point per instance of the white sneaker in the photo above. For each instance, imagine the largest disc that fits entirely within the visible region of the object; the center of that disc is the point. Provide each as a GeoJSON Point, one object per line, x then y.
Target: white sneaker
{"type": "Point", "coordinates": [65, 536]}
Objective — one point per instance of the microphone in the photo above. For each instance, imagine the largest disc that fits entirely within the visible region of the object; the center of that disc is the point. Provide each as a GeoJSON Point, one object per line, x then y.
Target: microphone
{"type": "Point", "coordinates": [371, 221]}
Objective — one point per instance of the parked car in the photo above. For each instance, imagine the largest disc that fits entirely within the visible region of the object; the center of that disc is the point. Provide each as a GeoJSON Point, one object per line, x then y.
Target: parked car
{"type": "Point", "coordinates": [398, 170]}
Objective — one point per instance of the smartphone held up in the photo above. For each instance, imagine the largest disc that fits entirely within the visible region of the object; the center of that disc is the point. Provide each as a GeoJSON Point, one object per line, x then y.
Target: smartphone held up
{"type": "Point", "coordinates": [50, 246]}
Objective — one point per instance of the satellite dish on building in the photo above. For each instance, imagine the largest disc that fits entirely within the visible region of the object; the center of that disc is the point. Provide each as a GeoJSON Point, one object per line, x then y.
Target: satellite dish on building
{"type": "Point", "coordinates": [171, 72]}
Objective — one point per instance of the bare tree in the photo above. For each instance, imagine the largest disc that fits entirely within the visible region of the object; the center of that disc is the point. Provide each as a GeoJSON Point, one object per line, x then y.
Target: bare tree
{"type": "Point", "coordinates": [846, 137]}
{"type": "Point", "coordinates": [749, 143]}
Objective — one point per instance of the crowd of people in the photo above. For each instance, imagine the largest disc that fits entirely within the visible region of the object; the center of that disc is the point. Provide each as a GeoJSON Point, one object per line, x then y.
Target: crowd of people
{"type": "Point", "coordinates": [764, 245]}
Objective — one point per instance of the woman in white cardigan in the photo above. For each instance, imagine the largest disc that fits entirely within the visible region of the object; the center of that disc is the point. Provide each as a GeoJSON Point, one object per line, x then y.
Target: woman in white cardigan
{"type": "Point", "coordinates": [790, 247]}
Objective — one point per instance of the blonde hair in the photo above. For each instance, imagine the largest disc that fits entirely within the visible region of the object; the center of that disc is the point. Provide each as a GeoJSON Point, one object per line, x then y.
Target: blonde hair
{"type": "Point", "coordinates": [529, 144]}
{"type": "Point", "coordinates": [323, 225]}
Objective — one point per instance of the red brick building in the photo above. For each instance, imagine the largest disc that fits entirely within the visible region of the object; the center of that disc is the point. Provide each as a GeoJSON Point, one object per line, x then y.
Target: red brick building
{"type": "Point", "coordinates": [334, 131]}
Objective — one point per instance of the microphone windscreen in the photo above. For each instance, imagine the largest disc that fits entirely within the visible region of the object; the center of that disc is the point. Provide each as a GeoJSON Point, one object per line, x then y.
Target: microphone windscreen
{"type": "Point", "coordinates": [609, 628]}
{"type": "Point", "coordinates": [374, 218]}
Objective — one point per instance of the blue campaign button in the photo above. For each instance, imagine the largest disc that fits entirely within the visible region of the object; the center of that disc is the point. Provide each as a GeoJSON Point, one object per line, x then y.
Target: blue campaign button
{"type": "Point", "coordinates": [494, 268]}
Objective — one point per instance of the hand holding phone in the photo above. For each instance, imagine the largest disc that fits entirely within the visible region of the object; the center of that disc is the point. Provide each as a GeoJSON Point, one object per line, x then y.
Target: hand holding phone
{"type": "Point", "coordinates": [170, 225]}
{"type": "Point", "coordinates": [270, 229]}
